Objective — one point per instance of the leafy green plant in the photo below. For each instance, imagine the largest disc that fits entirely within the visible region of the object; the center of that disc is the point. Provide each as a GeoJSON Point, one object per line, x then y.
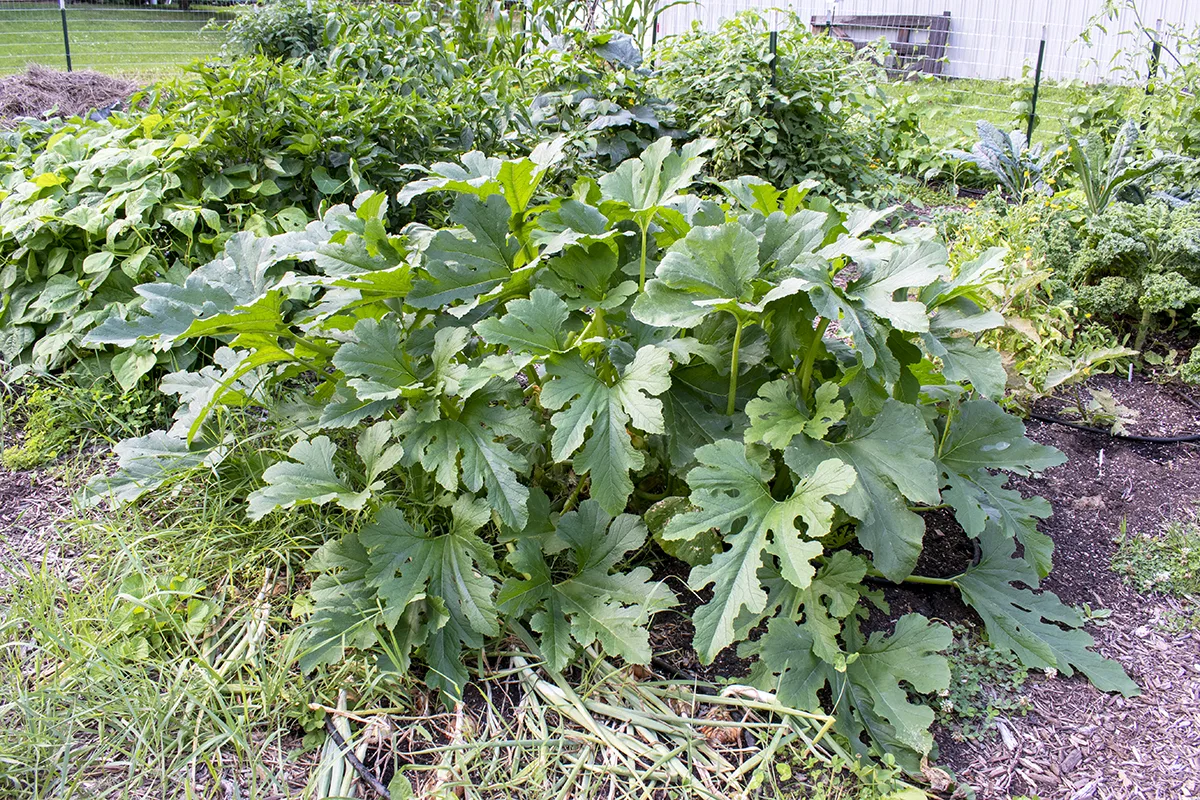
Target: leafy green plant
{"type": "Point", "coordinates": [149, 610]}
{"type": "Point", "coordinates": [509, 411]}
{"type": "Point", "coordinates": [1104, 174]}
{"type": "Point", "coordinates": [595, 96]}
{"type": "Point", "coordinates": [985, 682]}
{"type": "Point", "coordinates": [1140, 261]}
{"type": "Point", "coordinates": [1018, 168]}
{"type": "Point", "coordinates": [804, 115]}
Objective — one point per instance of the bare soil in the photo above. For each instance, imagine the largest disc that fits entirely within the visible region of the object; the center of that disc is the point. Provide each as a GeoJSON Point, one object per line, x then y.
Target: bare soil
{"type": "Point", "coordinates": [40, 92]}
{"type": "Point", "coordinates": [1077, 742]}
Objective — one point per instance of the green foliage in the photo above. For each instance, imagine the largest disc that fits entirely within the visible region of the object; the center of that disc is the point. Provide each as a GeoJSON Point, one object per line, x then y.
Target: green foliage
{"type": "Point", "coordinates": [1017, 167]}
{"type": "Point", "coordinates": [499, 404]}
{"type": "Point", "coordinates": [1104, 174]}
{"type": "Point", "coordinates": [57, 418]}
{"type": "Point", "coordinates": [805, 116]}
{"type": "Point", "coordinates": [89, 209]}
{"type": "Point", "coordinates": [595, 94]}
{"type": "Point", "coordinates": [1168, 562]}
{"type": "Point", "coordinates": [151, 610]}
{"type": "Point", "coordinates": [985, 683]}
{"type": "Point", "coordinates": [1138, 260]}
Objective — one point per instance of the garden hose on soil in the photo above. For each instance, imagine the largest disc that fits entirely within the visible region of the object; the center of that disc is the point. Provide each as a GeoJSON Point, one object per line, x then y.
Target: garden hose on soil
{"type": "Point", "coordinates": [1129, 437]}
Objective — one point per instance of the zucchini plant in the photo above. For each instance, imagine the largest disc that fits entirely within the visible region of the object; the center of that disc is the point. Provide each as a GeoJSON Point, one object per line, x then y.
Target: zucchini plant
{"type": "Point", "coordinates": [514, 416]}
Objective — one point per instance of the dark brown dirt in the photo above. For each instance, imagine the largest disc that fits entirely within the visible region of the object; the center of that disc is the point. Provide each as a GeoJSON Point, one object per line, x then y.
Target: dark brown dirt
{"type": "Point", "coordinates": [40, 92]}
{"type": "Point", "coordinates": [1076, 742]}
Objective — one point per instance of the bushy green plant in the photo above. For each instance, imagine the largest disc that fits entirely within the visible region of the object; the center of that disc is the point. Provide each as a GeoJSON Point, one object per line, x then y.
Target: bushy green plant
{"type": "Point", "coordinates": [803, 116]}
{"type": "Point", "coordinates": [1141, 261]}
{"type": "Point", "coordinates": [511, 412]}
{"type": "Point", "coordinates": [595, 95]}
{"type": "Point", "coordinates": [89, 209]}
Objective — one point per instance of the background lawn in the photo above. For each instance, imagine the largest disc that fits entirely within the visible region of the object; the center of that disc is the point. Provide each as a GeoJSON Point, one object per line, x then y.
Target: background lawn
{"type": "Point", "coordinates": [118, 40]}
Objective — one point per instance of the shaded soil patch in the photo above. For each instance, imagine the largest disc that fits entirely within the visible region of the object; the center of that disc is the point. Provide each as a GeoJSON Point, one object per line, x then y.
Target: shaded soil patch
{"type": "Point", "coordinates": [40, 92]}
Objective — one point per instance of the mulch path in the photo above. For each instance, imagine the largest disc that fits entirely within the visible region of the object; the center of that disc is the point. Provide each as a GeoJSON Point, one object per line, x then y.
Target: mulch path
{"type": "Point", "coordinates": [31, 503]}
{"type": "Point", "coordinates": [1076, 742]}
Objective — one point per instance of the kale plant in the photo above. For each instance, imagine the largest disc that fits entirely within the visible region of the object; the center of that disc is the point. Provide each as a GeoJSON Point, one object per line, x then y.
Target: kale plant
{"type": "Point", "coordinates": [1105, 174]}
{"type": "Point", "coordinates": [1018, 168]}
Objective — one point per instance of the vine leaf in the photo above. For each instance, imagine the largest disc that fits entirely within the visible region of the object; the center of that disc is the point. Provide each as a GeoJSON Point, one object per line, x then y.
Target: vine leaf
{"type": "Point", "coordinates": [536, 325]}
{"type": "Point", "coordinates": [147, 462]}
{"type": "Point", "coordinates": [647, 183]}
{"type": "Point", "coordinates": [982, 437]}
{"type": "Point", "coordinates": [870, 694]}
{"type": "Point", "coordinates": [479, 443]}
{"type": "Point", "coordinates": [1037, 628]}
{"type": "Point", "coordinates": [583, 277]}
{"type": "Point", "coordinates": [893, 455]}
{"type": "Point", "coordinates": [449, 572]}
{"type": "Point", "coordinates": [377, 366]}
{"type": "Point", "coordinates": [730, 491]}
{"type": "Point", "coordinates": [709, 270]}
{"type": "Point", "coordinates": [594, 603]}
{"type": "Point", "coordinates": [778, 414]}
{"type": "Point", "coordinates": [881, 275]}
{"type": "Point", "coordinates": [461, 268]}
{"type": "Point", "coordinates": [310, 477]}
{"type": "Point", "coordinates": [346, 612]}
{"type": "Point", "coordinates": [588, 402]}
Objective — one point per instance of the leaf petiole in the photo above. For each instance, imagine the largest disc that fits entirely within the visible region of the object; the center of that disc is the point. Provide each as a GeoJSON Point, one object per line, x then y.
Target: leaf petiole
{"type": "Point", "coordinates": [810, 357]}
{"type": "Point", "coordinates": [731, 404]}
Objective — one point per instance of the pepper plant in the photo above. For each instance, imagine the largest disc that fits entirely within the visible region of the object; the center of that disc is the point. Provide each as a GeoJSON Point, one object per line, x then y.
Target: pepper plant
{"type": "Point", "coordinates": [515, 418]}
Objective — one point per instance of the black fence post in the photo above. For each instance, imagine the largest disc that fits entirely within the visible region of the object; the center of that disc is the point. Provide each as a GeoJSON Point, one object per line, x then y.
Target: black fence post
{"type": "Point", "coordinates": [62, 9]}
{"type": "Point", "coordinates": [1155, 55]}
{"type": "Point", "coordinates": [774, 55]}
{"type": "Point", "coordinates": [1037, 85]}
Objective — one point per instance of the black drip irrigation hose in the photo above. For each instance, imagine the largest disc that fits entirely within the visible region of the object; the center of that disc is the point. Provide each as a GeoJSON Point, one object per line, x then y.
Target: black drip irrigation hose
{"type": "Point", "coordinates": [1128, 437]}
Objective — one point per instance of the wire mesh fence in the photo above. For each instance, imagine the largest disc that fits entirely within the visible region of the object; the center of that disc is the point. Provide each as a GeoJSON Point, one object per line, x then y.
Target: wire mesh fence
{"type": "Point", "coordinates": [138, 38]}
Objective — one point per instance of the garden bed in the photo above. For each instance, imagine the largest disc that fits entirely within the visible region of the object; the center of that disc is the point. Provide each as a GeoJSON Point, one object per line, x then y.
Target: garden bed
{"type": "Point", "coordinates": [1074, 742]}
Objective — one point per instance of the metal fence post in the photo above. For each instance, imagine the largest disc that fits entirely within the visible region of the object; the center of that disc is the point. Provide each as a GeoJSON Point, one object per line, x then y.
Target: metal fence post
{"type": "Point", "coordinates": [1037, 85]}
{"type": "Point", "coordinates": [774, 54]}
{"type": "Point", "coordinates": [1155, 54]}
{"type": "Point", "coordinates": [62, 9]}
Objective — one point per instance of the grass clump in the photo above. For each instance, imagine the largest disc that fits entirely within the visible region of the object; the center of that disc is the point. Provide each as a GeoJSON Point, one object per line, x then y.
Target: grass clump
{"type": "Point", "coordinates": [62, 415]}
{"type": "Point", "coordinates": [1168, 563]}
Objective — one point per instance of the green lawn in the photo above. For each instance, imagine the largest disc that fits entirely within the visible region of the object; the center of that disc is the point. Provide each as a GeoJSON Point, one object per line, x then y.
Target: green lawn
{"type": "Point", "coordinates": [956, 105]}
{"type": "Point", "coordinates": [144, 40]}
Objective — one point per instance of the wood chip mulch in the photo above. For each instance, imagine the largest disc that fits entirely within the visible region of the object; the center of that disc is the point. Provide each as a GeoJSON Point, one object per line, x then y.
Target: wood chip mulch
{"type": "Point", "coordinates": [1077, 743]}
